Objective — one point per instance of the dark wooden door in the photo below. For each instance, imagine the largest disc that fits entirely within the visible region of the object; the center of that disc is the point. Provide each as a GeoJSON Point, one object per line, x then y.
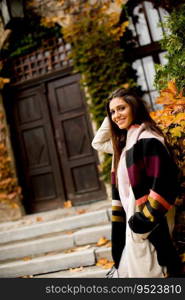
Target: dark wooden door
{"type": "Point", "coordinates": [53, 134]}
{"type": "Point", "coordinates": [73, 130]}
{"type": "Point", "coordinates": [35, 147]}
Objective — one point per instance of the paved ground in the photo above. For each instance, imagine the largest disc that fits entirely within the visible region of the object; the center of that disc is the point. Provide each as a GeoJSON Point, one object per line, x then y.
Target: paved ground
{"type": "Point", "coordinates": [54, 215]}
{"type": "Point", "coordinates": [50, 244]}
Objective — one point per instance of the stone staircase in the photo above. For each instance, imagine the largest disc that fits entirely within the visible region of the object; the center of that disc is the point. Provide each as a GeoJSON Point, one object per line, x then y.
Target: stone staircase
{"type": "Point", "coordinates": [57, 244]}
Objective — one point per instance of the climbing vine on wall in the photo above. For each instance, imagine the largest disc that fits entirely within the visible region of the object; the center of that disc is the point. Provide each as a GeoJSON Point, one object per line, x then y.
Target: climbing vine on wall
{"type": "Point", "coordinates": [29, 37]}
{"type": "Point", "coordinates": [171, 119]}
{"type": "Point", "coordinates": [172, 122]}
{"type": "Point", "coordinates": [170, 80]}
{"type": "Point", "coordinates": [174, 44]}
{"type": "Point", "coordinates": [94, 32]}
{"type": "Point", "coordinates": [10, 192]}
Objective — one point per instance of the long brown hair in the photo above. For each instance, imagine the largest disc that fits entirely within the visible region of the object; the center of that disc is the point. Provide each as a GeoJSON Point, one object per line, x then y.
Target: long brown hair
{"type": "Point", "coordinates": [140, 115]}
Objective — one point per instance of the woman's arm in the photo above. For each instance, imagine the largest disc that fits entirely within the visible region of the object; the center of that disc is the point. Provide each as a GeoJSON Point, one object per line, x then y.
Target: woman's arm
{"type": "Point", "coordinates": [160, 180]}
{"type": "Point", "coordinates": [102, 140]}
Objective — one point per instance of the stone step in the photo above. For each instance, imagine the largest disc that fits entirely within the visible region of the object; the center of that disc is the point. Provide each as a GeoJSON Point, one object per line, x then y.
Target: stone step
{"type": "Point", "coordinates": [52, 263]}
{"type": "Point", "coordinates": [58, 241]}
{"type": "Point", "coordinates": [55, 214]}
{"type": "Point", "coordinates": [85, 272]}
{"type": "Point", "coordinates": [54, 226]}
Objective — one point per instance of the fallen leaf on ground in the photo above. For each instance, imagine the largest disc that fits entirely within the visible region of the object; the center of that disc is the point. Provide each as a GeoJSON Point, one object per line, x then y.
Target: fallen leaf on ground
{"type": "Point", "coordinates": [102, 241]}
{"type": "Point", "coordinates": [76, 269]}
{"type": "Point", "coordinates": [101, 261]}
{"type": "Point", "coordinates": [104, 263]}
{"type": "Point", "coordinates": [51, 253]}
{"type": "Point", "coordinates": [26, 258]}
{"type": "Point", "coordinates": [69, 232]}
{"type": "Point", "coordinates": [82, 248]}
{"type": "Point", "coordinates": [77, 249]}
{"type": "Point", "coordinates": [81, 211]}
{"type": "Point", "coordinates": [67, 204]}
{"type": "Point", "coordinates": [69, 251]}
{"type": "Point", "coordinates": [39, 219]}
{"type": "Point", "coordinates": [108, 265]}
{"type": "Point", "coordinates": [109, 244]}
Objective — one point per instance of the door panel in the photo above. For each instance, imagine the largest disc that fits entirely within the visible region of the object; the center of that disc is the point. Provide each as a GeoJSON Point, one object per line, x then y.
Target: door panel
{"type": "Point", "coordinates": [37, 156]}
{"type": "Point", "coordinates": [84, 178]}
{"type": "Point", "coordinates": [37, 151]}
{"type": "Point", "coordinates": [53, 134]}
{"type": "Point", "coordinates": [74, 137]}
{"type": "Point", "coordinates": [65, 95]}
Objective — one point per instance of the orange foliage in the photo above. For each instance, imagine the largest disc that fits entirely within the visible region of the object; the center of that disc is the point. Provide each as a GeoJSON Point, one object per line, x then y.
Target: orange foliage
{"type": "Point", "coordinates": [171, 120]}
{"type": "Point", "coordinates": [3, 81]}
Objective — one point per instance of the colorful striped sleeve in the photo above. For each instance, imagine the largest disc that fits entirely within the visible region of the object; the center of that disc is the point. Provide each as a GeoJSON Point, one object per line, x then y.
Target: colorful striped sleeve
{"type": "Point", "coordinates": [153, 177]}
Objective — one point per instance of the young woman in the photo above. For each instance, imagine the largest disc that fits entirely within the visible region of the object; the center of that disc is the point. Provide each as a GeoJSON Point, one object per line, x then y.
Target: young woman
{"type": "Point", "coordinates": [144, 189]}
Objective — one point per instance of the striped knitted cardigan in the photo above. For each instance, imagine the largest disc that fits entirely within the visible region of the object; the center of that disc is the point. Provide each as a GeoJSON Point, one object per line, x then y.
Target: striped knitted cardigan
{"type": "Point", "coordinates": [153, 178]}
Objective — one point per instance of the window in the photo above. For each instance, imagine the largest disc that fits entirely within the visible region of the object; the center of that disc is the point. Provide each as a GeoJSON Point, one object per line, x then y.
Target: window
{"type": "Point", "coordinates": [144, 24]}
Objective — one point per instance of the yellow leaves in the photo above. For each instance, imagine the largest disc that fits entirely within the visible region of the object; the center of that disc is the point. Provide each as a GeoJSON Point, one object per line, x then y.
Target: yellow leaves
{"type": "Point", "coordinates": [176, 131]}
{"type": "Point", "coordinates": [182, 256]}
{"type": "Point", "coordinates": [102, 241]}
{"type": "Point", "coordinates": [76, 269]}
{"type": "Point", "coordinates": [180, 118]}
{"type": "Point", "coordinates": [168, 116]}
{"type": "Point", "coordinates": [104, 263]}
{"type": "Point", "coordinates": [67, 204]}
{"type": "Point", "coordinates": [119, 2]}
{"type": "Point", "coordinates": [1, 116]}
{"type": "Point", "coordinates": [113, 18]}
{"type": "Point", "coordinates": [69, 232]}
{"type": "Point", "coordinates": [81, 211]}
{"type": "Point", "coordinates": [3, 195]}
{"type": "Point", "coordinates": [171, 120]}
{"type": "Point", "coordinates": [39, 219]}
{"type": "Point", "coordinates": [101, 261]}
{"type": "Point", "coordinates": [105, 7]}
{"type": "Point", "coordinates": [126, 85]}
{"type": "Point", "coordinates": [78, 22]}
{"type": "Point", "coordinates": [172, 87]}
{"type": "Point", "coordinates": [7, 182]}
{"type": "Point", "coordinates": [14, 205]}
{"type": "Point", "coordinates": [167, 120]}
{"type": "Point", "coordinates": [174, 111]}
{"type": "Point", "coordinates": [82, 248]}
{"type": "Point", "coordinates": [170, 96]}
{"type": "Point", "coordinates": [49, 21]}
{"type": "Point", "coordinates": [31, 3]}
{"type": "Point", "coordinates": [27, 258]}
{"type": "Point", "coordinates": [10, 193]}
{"type": "Point", "coordinates": [77, 249]}
{"type": "Point", "coordinates": [3, 81]}
{"type": "Point", "coordinates": [117, 32]}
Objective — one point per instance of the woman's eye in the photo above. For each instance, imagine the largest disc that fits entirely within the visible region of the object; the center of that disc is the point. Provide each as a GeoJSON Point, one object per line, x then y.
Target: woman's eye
{"type": "Point", "coordinates": [121, 107]}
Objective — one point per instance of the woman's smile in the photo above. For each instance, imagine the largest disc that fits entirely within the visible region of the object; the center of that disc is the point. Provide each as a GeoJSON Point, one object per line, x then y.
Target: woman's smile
{"type": "Point", "coordinates": [121, 113]}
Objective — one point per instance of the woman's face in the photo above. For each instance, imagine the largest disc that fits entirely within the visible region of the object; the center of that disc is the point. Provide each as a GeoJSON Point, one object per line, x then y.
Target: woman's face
{"type": "Point", "coordinates": [121, 113]}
